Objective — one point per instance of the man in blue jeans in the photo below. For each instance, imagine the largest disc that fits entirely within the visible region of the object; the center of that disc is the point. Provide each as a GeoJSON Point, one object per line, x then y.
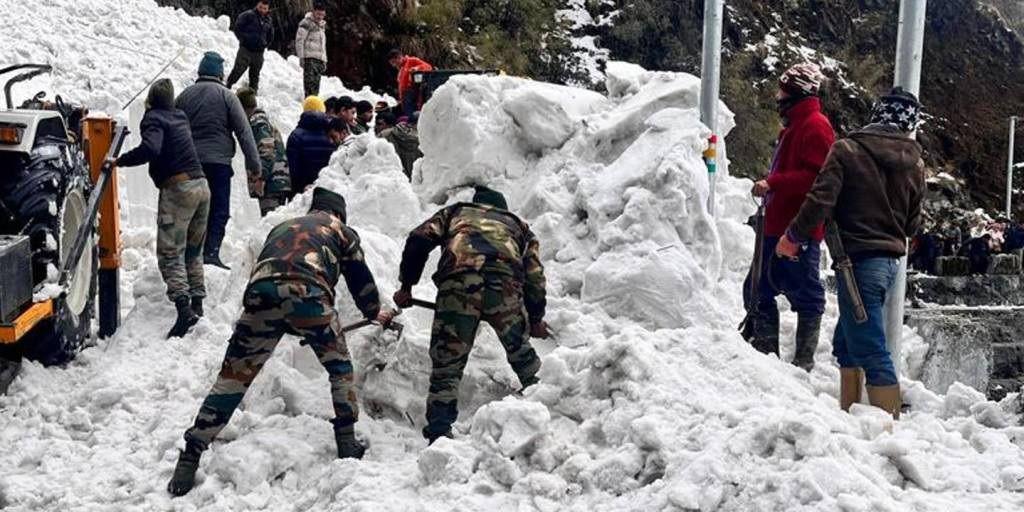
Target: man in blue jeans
{"type": "Point", "coordinates": [871, 186]}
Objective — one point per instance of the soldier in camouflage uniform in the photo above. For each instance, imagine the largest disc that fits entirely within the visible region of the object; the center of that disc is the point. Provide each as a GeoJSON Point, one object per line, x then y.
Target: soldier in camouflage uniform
{"type": "Point", "coordinates": [273, 185]}
{"type": "Point", "coordinates": [292, 291]}
{"type": "Point", "coordinates": [490, 270]}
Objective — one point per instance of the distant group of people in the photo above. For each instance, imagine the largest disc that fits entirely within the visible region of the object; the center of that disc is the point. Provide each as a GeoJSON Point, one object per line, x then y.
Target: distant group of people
{"type": "Point", "coordinates": [255, 34]}
{"type": "Point", "coordinates": [977, 241]}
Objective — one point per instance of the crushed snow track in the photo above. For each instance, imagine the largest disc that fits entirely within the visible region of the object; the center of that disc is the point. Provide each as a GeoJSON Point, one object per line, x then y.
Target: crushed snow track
{"type": "Point", "coordinates": [648, 400]}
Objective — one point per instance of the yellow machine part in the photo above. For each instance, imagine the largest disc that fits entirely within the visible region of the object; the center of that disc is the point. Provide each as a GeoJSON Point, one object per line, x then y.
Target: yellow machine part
{"type": "Point", "coordinates": [11, 333]}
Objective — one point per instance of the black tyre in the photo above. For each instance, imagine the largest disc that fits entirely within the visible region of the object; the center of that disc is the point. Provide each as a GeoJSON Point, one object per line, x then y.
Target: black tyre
{"type": "Point", "coordinates": [47, 200]}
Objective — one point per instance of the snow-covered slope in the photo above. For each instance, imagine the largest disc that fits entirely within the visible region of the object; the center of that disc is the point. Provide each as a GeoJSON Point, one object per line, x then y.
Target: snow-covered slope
{"type": "Point", "coordinates": [648, 398]}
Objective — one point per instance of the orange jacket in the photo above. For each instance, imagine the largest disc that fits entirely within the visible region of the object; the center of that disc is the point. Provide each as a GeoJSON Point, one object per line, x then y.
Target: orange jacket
{"type": "Point", "coordinates": [410, 64]}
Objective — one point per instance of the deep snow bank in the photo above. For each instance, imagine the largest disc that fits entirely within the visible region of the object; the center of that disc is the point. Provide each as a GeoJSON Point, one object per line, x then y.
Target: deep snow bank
{"type": "Point", "coordinates": [648, 399]}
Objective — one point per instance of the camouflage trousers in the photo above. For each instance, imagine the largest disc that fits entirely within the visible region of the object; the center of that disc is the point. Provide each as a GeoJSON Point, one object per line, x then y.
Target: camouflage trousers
{"type": "Point", "coordinates": [182, 212]}
{"type": "Point", "coordinates": [464, 300]}
{"type": "Point", "coordinates": [312, 70]}
{"type": "Point", "coordinates": [272, 309]}
{"type": "Point", "coordinates": [271, 203]}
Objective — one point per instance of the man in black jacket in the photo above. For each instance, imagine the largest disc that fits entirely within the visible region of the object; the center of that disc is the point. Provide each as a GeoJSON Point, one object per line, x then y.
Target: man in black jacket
{"type": "Point", "coordinates": [184, 201]}
{"type": "Point", "coordinates": [255, 32]}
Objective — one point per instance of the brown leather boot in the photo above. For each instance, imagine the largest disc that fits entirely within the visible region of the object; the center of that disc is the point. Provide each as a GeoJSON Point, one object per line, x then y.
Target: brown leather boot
{"type": "Point", "coordinates": [850, 380]}
{"type": "Point", "coordinates": [886, 398]}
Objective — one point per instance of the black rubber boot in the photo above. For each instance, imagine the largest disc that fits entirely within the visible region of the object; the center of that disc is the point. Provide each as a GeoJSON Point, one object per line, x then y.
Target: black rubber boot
{"type": "Point", "coordinates": [214, 259]}
{"type": "Point", "coordinates": [431, 437]}
{"type": "Point", "coordinates": [766, 333]}
{"type": "Point", "coordinates": [808, 330]}
{"type": "Point", "coordinates": [186, 318]}
{"type": "Point", "coordinates": [348, 446]}
{"type": "Point", "coordinates": [197, 306]}
{"type": "Point", "coordinates": [184, 477]}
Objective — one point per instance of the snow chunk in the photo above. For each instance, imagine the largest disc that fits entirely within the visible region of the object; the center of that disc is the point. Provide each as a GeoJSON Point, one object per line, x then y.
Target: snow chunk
{"type": "Point", "coordinates": [512, 426]}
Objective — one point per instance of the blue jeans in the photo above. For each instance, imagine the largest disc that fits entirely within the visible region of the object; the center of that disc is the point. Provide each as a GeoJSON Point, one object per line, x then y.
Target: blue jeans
{"type": "Point", "coordinates": [863, 345]}
{"type": "Point", "coordinates": [219, 177]}
{"type": "Point", "coordinates": [799, 281]}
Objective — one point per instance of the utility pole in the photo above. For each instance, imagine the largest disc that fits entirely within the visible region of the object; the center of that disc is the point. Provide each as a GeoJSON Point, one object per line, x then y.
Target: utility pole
{"type": "Point", "coordinates": [1009, 170]}
{"type": "Point", "coordinates": [709, 88]}
{"type": "Point", "coordinates": [909, 53]}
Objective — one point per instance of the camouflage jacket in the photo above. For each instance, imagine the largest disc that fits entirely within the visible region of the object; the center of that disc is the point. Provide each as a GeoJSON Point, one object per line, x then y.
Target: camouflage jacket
{"type": "Point", "coordinates": [274, 180]}
{"type": "Point", "coordinates": [478, 238]}
{"type": "Point", "coordinates": [319, 248]}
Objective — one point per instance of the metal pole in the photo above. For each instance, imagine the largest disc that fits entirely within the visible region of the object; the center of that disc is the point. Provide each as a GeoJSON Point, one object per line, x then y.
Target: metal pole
{"type": "Point", "coordinates": [709, 87]}
{"type": "Point", "coordinates": [909, 52]}
{"type": "Point", "coordinates": [1009, 169]}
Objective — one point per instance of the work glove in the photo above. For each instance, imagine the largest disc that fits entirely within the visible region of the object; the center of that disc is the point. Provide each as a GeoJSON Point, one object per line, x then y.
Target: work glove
{"type": "Point", "coordinates": [403, 298]}
{"type": "Point", "coordinates": [540, 330]}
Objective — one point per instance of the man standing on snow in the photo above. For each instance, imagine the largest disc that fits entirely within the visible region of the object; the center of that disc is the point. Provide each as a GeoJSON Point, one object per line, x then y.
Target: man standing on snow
{"type": "Point", "coordinates": [255, 32]}
{"type": "Point", "coordinates": [216, 116]}
{"type": "Point", "coordinates": [273, 186]}
{"type": "Point", "coordinates": [184, 202]}
{"type": "Point", "coordinates": [311, 48]}
{"type": "Point", "coordinates": [489, 270]}
{"type": "Point", "coordinates": [291, 291]}
{"type": "Point", "coordinates": [408, 91]}
{"type": "Point", "coordinates": [802, 148]}
{"type": "Point", "coordinates": [872, 186]}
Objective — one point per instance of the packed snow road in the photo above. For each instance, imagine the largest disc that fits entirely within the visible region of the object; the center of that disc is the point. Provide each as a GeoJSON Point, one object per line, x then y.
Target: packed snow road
{"type": "Point", "coordinates": [649, 399]}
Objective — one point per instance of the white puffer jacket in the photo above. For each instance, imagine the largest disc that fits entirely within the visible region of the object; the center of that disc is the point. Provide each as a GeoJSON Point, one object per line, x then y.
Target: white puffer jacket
{"type": "Point", "coordinates": [311, 39]}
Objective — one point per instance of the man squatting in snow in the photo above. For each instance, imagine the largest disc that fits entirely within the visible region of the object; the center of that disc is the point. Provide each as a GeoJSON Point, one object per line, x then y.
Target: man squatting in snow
{"type": "Point", "coordinates": [800, 152]}
{"type": "Point", "coordinates": [871, 186]}
{"type": "Point", "coordinates": [291, 291]}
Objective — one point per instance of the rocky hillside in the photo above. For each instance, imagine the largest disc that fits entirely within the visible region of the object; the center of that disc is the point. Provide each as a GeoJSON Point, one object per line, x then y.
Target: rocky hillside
{"type": "Point", "coordinates": [971, 72]}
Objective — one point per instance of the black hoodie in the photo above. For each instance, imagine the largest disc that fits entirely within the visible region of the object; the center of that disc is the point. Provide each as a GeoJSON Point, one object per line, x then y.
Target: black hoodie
{"type": "Point", "coordinates": [872, 184]}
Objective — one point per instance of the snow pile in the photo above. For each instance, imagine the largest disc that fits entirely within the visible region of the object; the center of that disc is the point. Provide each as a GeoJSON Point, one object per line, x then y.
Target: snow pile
{"type": "Point", "coordinates": [648, 398]}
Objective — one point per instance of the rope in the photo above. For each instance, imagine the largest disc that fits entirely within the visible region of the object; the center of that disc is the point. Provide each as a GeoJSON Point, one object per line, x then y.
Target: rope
{"type": "Point", "coordinates": [125, 48]}
{"type": "Point", "coordinates": [155, 77]}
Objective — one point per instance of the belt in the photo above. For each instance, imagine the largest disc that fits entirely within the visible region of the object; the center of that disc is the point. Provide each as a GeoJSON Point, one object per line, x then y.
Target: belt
{"type": "Point", "coordinates": [177, 178]}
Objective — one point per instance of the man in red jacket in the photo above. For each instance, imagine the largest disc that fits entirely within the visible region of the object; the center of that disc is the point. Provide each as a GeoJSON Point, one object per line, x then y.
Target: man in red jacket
{"type": "Point", "coordinates": [408, 92]}
{"type": "Point", "coordinates": [803, 144]}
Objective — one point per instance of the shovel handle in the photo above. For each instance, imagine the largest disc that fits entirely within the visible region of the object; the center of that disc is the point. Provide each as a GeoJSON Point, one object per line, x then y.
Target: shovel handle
{"type": "Point", "coordinates": [423, 304]}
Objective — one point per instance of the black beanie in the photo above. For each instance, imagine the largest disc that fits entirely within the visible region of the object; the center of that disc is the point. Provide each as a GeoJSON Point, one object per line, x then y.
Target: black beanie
{"type": "Point", "coordinates": [161, 94]}
{"type": "Point", "coordinates": [491, 197]}
{"type": "Point", "coordinates": [326, 201]}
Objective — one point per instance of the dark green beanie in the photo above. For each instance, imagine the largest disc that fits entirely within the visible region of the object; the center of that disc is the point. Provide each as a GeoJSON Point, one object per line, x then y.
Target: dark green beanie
{"type": "Point", "coordinates": [161, 95]}
{"type": "Point", "coordinates": [488, 196]}
{"type": "Point", "coordinates": [326, 201]}
{"type": "Point", "coordinates": [247, 97]}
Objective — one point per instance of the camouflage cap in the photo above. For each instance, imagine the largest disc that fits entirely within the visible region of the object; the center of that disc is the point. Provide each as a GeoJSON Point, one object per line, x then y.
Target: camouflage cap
{"type": "Point", "coordinates": [485, 195]}
{"type": "Point", "coordinates": [327, 201]}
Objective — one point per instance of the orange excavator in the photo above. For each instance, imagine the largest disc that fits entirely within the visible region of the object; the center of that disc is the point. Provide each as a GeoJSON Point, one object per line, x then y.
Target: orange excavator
{"type": "Point", "coordinates": [59, 228]}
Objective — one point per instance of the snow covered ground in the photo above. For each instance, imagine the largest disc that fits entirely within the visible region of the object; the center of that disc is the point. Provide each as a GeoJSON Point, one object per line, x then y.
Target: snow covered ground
{"type": "Point", "coordinates": [648, 399]}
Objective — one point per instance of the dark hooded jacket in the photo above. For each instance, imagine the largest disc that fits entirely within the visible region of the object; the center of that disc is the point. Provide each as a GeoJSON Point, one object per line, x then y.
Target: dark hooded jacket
{"type": "Point", "coordinates": [166, 138]}
{"type": "Point", "coordinates": [309, 150]}
{"type": "Point", "coordinates": [872, 184]}
{"type": "Point", "coordinates": [318, 249]}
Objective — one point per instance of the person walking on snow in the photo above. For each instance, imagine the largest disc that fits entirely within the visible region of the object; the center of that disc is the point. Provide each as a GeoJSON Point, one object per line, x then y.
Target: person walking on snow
{"type": "Point", "coordinates": [408, 92]}
{"type": "Point", "coordinates": [311, 48]}
{"type": "Point", "coordinates": [255, 32]}
{"type": "Point", "coordinates": [292, 291]}
{"type": "Point", "coordinates": [183, 205]}
{"type": "Point", "coordinates": [273, 185]}
{"type": "Point", "coordinates": [801, 150]}
{"type": "Point", "coordinates": [872, 186]}
{"type": "Point", "coordinates": [489, 270]}
{"type": "Point", "coordinates": [217, 119]}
